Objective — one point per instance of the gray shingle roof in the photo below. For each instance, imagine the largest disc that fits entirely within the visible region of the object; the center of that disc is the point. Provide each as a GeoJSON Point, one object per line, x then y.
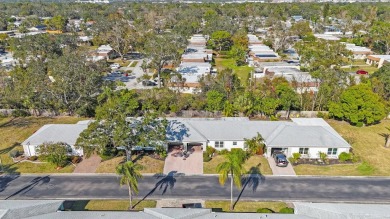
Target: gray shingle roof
{"type": "Point", "coordinates": [67, 133]}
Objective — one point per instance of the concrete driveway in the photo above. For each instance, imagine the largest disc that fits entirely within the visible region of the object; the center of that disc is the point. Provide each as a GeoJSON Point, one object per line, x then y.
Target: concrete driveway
{"type": "Point", "coordinates": [280, 171]}
{"type": "Point", "coordinates": [192, 165]}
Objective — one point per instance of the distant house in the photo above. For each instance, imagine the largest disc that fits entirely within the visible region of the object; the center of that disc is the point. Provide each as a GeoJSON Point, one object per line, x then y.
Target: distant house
{"type": "Point", "coordinates": [55, 133]}
{"type": "Point", "coordinates": [297, 18]}
{"type": "Point", "coordinates": [378, 60]}
{"type": "Point", "coordinates": [306, 136]}
{"type": "Point", "coordinates": [358, 52]}
{"type": "Point", "coordinates": [105, 52]}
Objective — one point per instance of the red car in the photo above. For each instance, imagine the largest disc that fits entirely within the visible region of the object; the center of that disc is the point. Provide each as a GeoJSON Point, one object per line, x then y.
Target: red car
{"type": "Point", "coordinates": [361, 72]}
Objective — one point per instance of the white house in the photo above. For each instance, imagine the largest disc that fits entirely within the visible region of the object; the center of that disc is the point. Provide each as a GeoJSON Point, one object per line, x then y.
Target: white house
{"type": "Point", "coordinates": [306, 136]}
{"type": "Point", "coordinates": [55, 133]}
{"type": "Point", "coordinates": [378, 60]}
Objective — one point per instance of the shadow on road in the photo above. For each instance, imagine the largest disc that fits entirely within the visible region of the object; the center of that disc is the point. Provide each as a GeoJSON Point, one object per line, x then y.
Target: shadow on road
{"type": "Point", "coordinates": [165, 182]}
{"type": "Point", "coordinates": [252, 180]}
{"type": "Point", "coordinates": [33, 183]}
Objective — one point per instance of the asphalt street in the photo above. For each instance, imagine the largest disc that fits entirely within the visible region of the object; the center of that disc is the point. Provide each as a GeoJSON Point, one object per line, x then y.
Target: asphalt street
{"type": "Point", "coordinates": [316, 189]}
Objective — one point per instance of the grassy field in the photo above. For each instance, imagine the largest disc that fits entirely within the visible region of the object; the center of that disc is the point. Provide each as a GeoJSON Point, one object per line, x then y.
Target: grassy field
{"type": "Point", "coordinates": [149, 164]}
{"type": "Point", "coordinates": [246, 206]}
{"type": "Point", "coordinates": [134, 63]}
{"type": "Point", "coordinates": [241, 71]}
{"type": "Point", "coordinates": [367, 143]}
{"type": "Point", "coordinates": [13, 131]}
{"type": "Point", "coordinates": [110, 205]}
{"type": "Point", "coordinates": [258, 162]}
{"type": "Point", "coordinates": [369, 69]}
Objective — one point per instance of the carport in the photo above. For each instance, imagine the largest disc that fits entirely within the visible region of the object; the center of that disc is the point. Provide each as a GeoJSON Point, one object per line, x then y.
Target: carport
{"type": "Point", "coordinates": [197, 146]}
{"type": "Point", "coordinates": [174, 146]}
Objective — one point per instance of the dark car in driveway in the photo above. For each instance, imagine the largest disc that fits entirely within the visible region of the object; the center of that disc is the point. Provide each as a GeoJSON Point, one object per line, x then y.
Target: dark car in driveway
{"type": "Point", "coordinates": [280, 160]}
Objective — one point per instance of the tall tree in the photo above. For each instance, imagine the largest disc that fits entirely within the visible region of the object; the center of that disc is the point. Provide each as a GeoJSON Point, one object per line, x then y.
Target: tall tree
{"type": "Point", "coordinates": [358, 105]}
{"type": "Point", "coordinates": [162, 49]}
{"type": "Point", "coordinates": [55, 153]}
{"type": "Point", "coordinates": [221, 40]}
{"type": "Point", "coordinates": [233, 166]}
{"type": "Point", "coordinates": [130, 174]}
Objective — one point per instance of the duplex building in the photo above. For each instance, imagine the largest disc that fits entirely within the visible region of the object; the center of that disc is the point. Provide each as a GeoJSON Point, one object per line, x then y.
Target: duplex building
{"type": "Point", "coordinates": [307, 136]}
{"type": "Point", "coordinates": [378, 60]}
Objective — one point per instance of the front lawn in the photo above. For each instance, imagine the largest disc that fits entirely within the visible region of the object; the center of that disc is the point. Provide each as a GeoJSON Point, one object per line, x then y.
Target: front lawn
{"type": "Point", "coordinates": [14, 131]}
{"type": "Point", "coordinates": [246, 206]}
{"type": "Point", "coordinates": [150, 165]}
{"type": "Point", "coordinates": [259, 163]}
{"type": "Point", "coordinates": [110, 205]}
{"type": "Point", "coordinates": [367, 143]}
{"type": "Point", "coordinates": [241, 71]}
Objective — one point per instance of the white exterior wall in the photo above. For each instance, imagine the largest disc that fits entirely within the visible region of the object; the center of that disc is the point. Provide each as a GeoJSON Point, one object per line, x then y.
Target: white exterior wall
{"type": "Point", "coordinates": [228, 145]}
{"type": "Point", "coordinates": [314, 152]}
{"type": "Point", "coordinates": [31, 150]}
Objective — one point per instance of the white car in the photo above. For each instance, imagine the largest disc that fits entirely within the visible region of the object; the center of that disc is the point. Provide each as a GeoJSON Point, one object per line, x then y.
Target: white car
{"type": "Point", "coordinates": [115, 66]}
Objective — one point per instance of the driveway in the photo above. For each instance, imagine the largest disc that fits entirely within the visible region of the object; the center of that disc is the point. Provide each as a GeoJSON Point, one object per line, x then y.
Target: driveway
{"type": "Point", "coordinates": [280, 171]}
{"type": "Point", "coordinates": [192, 165]}
{"type": "Point", "coordinates": [88, 165]}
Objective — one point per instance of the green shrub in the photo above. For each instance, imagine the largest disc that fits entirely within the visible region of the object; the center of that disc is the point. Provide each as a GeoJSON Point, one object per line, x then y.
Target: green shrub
{"type": "Point", "coordinates": [287, 210]}
{"type": "Point", "coordinates": [20, 113]}
{"type": "Point", "coordinates": [206, 157]}
{"type": "Point", "coordinates": [323, 115]}
{"type": "Point", "coordinates": [33, 158]}
{"type": "Point", "coordinates": [264, 210]}
{"type": "Point", "coordinates": [223, 152]}
{"type": "Point", "coordinates": [323, 156]}
{"type": "Point", "coordinates": [359, 124]}
{"type": "Point", "coordinates": [14, 153]}
{"type": "Point", "coordinates": [344, 156]}
{"type": "Point", "coordinates": [210, 150]}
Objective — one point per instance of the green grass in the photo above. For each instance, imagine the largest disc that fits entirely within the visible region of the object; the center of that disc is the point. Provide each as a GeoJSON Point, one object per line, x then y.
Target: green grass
{"type": "Point", "coordinates": [241, 71]}
{"type": "Point", "coordinates": [110, 205]}
{"type": "Point", "coordinates": [258, 162]}
{"type": "Point", "coordinates": [367, 143]}
{"type": "Point", "coordinates": [149, 164]}
{"type": "Point", "coordinates": [13, 131]}
{"type": "Point", "coordinates": [369, 69]}
{"type": "Point", "coordinates": [246, 206]}
{"type": "Point", "coordinates": [134, 63]}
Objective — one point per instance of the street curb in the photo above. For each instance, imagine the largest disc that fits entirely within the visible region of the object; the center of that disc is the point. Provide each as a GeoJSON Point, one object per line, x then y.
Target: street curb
{"type": "Point", "coordinates": [194, 175]}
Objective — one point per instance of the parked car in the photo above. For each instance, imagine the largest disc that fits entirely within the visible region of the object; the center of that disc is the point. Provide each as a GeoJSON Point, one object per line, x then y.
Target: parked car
{"type": "Point", "coordinates": [148, 83]}
{"type": "Point", "coordinates": [116, 73]}
{"type": "Point", "coordinates": [280, 160]}
{"type": "Point", "coordinates": [115, 66]}
{"type": "Point", "coordinates": [361, 72]}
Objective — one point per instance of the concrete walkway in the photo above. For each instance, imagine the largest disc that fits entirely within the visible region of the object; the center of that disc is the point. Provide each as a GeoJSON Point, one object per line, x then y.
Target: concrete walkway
{"type": "Point", "coordinates": [88, 165]}
{"type": "Point", "coordinates": [280, 171]}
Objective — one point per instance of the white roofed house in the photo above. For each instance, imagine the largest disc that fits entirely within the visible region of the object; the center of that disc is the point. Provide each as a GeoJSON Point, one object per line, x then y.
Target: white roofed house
{"type": "Point", "coordinates": [55, 133]}
{"type": "Point", "coordinates": [378, 60]}
{"type": "Point", "coordinates": [306, 136]}
{"type": "Point", "coordinates": [358, 52]}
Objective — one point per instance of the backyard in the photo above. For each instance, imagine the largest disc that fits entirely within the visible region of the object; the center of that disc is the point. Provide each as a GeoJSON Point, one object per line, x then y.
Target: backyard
{"type": "Point", "coordinates": [258, 162]}
{"type": "Point", "coordinates": [14, 131]}
{"type": "Point", "coordinates": [367, 143]}
{"type": "Point", "coordinates": [241, 71]}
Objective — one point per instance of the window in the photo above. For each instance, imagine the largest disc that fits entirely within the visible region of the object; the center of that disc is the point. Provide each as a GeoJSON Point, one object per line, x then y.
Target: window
{"type": "Point", "coordinates": [219, 144]}
{"type": "Point", "coordinates": [332, 151]}
{"type": "Point", "coordinates": [303, 150]}
{"type": "Point", "coordinates": [234, 143]}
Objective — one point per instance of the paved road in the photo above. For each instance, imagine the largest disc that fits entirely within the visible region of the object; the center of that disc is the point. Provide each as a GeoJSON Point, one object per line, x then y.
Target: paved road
{"type": "Point", "coordinates": [321, 189]}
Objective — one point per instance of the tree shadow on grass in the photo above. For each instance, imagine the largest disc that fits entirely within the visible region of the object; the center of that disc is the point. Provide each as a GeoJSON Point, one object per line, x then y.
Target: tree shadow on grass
{"type": "Point", "coordinates": [252, 180]}
{"type": "Point", "coordinates": [78, 205]}
{"type": "Point", "coordinates": [386, 136]}
{"type": "Point", "coordinates": [165, 182]}
{"type": "Point", "coordinates": [8, 149]}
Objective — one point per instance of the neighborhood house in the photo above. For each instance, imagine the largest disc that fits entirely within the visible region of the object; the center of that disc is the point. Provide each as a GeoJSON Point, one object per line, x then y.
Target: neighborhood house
{"type": "Point", "coordinates": [307, 136]}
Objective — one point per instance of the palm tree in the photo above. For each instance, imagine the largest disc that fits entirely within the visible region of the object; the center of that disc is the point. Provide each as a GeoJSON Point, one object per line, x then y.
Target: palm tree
{"type": "Point", "coordinates": [130, 174]}
{"type": "Point", "coordinates": [255, 144]}
{"type": "Point", "coordinates": [232, 166]}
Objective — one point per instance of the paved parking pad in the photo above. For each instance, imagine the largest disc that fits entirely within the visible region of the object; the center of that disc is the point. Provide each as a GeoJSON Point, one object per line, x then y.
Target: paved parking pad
{"type": "Point", "coordinates": [280, 171]}
{"type": "Point", "coordinates": [192, 165]}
